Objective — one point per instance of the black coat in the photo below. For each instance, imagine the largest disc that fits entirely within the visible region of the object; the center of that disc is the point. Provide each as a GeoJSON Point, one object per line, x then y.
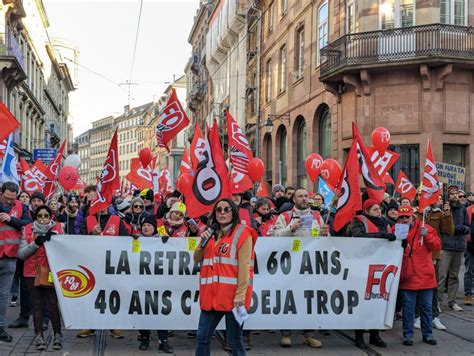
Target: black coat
{"type": "Point", "coordinates": [357, 228]}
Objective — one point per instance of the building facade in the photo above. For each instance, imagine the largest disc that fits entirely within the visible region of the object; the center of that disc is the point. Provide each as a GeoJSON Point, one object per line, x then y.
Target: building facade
{"type": "Point", "coordinates": [403, 65]}
{"type": "Point", "coordinates": [82, 144]}
{"type": "Point", "coordinates": [100, 136]}
{"type": "Point", "coordinates": [36, 80]}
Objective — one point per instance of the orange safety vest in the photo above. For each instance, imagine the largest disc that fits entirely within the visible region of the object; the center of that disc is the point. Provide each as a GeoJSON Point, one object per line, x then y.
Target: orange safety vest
{"type": "Point", "coordinates": [219, 272]}
{"type": "Point", "coordinates": [111, 228]}
{"type": "Point", "coordinates": [369, 226]}
{"type": "Point", "coordinates": [10, 237]}
{"type": "Point", "coordinates": [39, 257]}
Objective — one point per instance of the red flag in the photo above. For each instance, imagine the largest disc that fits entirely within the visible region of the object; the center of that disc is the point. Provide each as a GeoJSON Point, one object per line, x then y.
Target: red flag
{"type": "Point", "coordinates": [24, 166]}
{"type": "Point", "coordinates": [53, 167]}
{"type": "Point", "coordinates": [373, 182]}
{"type": "Point", "coordinates": [240, 153]}
{"type": "Point", "coordinates": [262, 190]}
{"type": "Point", "coordinates": [430, 191]}
{"type": "Point", "coordinates": [80, 184]}
{"type": "Point", "coordinates": [34, 179]}
{"type": "Point", "coordinates": [185, 163]}
{"type": "Point", "coordinates": [109, 179]}
{"type": "Point", "coordinates": [8, 122]}
{"type": "Point", "coordinates": [387, 179]}
{"type": "Point", "coordinates": [211, 178]}
{"type": "Point", "coordinates": [173, 119]}
{"type": "Point", "coordinates": [239, 182]}
{"type": "Point", "coordinates": [164, 181]}
{"type": "Point", "coordinates": [139, 176]}
{"type": "Point", "coordinates": [405, 187]}
{"type": "Point", "coordinates": [382, 163]}
{"type": "Point", "coordinates": [350, 199]}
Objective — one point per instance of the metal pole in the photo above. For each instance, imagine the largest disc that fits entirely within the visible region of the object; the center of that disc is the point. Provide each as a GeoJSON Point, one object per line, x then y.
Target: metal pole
{"type": "Point", "coordinates": [280, 170]}
{"type": "Point", "coordinates": [257, 96]}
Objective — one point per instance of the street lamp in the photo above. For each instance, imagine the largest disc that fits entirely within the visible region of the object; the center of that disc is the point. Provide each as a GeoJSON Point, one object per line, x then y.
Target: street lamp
{"type": "Point", "coordinates": [269, 122]}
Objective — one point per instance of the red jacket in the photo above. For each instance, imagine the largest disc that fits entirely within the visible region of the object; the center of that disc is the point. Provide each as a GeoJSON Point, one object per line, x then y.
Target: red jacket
{"type": "Point", "coordinates": [417, 268]}
{"type": "Point", "coordinates": [39, 257]}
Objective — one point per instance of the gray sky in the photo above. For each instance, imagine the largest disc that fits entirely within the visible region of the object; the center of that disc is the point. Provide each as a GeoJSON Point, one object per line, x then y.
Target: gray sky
{"type": "Point", "coordinates": [105, 32]}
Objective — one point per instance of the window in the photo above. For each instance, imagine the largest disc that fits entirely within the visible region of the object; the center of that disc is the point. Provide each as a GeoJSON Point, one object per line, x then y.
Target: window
{"type": "Point", "coordinates": [283, 7]}
{"type": "Point", "coordinates": [271, 15]}
{"type": "Point", "coordinates": [283, 155]}
{"type": "Point", "coordinates": [322, 29]}
{"type": "Point", "coordinates": [299, 53]}
{"type": "Point", "coordinates": [301, 152]}
{"type": "Point", "coordinates": [454, 154]}
{"type": "Point", "coordinates": [325, 136]}
{"type": "Point", "coordinates": [453, 12]}
{"type": "Point", "coordinates": [396, 13]}
{"type": "Point", "coordinates": [282, 69]}
{"type": "Point", "coordinates": [268, 68]}
{"type": "Point", "coordinates": [409, 162]}
{"type": "Point", "coordinates": [352, 21]}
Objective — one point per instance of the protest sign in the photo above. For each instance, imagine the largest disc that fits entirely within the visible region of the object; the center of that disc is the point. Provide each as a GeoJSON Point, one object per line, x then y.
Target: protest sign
{"type": "Point", "coordinates": [451, 175]}
{"type": "Point", "coordinates": [329, 283]}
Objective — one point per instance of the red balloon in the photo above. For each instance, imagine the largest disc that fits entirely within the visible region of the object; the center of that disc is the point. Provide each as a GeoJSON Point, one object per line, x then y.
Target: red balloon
{"type": "Point", "coordinates": [256, 169]}
{"type": "Point", "coordinates": [381, 139]}
{"type": "Point", "coordinates": [184, 183]}
{"type": "Point", "coordinates": [146, 156]}
{"type": "Point", "coordinates": [313, 166]}
{"type": "Point", "coordinates": [68, 177]}
{"type": "Point", "coordinates": [331, 171]}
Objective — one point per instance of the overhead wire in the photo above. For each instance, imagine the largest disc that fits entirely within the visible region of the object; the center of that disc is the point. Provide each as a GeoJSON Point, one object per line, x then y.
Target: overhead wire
{"type": "Point", "coordinates": [136, 41]}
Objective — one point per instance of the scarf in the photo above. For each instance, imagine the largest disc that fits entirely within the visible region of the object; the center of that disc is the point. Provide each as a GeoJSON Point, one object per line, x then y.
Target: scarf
{"type": "Point", "coordinates": [265, 217]}
{"type": "Point", "coordinates": [40, 229]}
{"type": "Point", "coordinates": [173, 223]}
{"type": "Point", "coordinates": [379, 221]}
{"type": "Point", "coordinates": [71, 215]}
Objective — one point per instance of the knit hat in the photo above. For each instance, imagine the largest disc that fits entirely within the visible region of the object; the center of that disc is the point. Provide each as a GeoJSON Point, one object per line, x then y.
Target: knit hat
{"type": "Point", "coordinates": [392, 205]}
{"type": "Point", "coordinates": [278, 188]}
{"type": "Point", "coordinates": [179, 207]}
{"type": "Point", "coordinates": [71, 198]}
{"type": "Point", "coordinates": [369, 203]}
{"type": "Point", "coordinates": [137, 200]}
{"type": "Point", "coordinates": [38, 195]}
{"type": "Point", "coordinates": [150, 220]}
{"type": "Point", "coordinates": [122, 205]}
{"type": "Point", "coordinates": [247, 195]}
{"type": "Point", "coordinates": [405, 211]}
{"type": "Point", "coordinates": [147, 194]}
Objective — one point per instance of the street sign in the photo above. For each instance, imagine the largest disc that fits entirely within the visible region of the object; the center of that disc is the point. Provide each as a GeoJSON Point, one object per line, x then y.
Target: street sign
{"type": "Point", "coordinates": [45, 154]}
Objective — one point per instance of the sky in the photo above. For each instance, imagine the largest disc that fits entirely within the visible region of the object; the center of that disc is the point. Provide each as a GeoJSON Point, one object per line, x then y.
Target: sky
{"type": "Point", "coordinates": [104, 31]}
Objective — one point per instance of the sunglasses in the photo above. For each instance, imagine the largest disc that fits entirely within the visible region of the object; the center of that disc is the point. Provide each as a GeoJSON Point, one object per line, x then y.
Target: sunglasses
{"type": "Point", "coordinates": [225, 209]}
{"type": "Point", "coordinates": [404, 217]}
{"type": "Point", "coordinates": [41, 216]}
{"type": "Point", "coordinates": [462, 196]}
{"type": "Point", "coordinates": [138, 206]}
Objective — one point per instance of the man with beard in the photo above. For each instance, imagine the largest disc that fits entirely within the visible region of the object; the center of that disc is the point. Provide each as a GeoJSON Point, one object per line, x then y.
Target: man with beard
{"type": "Point", "coordinates": [300, 221]}
{"type": "Point", "coordinates": [90, 194]}
{"type": "Point", "coordinates": [453, 249]}
{"type": "Point", "coordinates": [68, 217]}
{"type": "Point", "coordinates": [13, 216]}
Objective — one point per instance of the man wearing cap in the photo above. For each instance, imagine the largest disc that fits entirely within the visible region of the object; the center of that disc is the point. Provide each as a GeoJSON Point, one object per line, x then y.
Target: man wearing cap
{"type": "Point", "coordinates": [417, 277]}
{"type": "Point", "coordinates": [68, 217]}
{"type": "Point", "coordinates": [453, 249]}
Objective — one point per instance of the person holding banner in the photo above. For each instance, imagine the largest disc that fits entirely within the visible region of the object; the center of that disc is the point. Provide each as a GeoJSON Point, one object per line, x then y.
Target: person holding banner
{"type": "Point", "coordinates": [417, 278]}
{"type": "Point", "coordinates": [38, 275]}
{"type": "Point", "coordinates": [300, 221]}
{"type": "Point", "coordinates": [225, 290]}
{"type": "Point", "coordinates": [373, 225]}
{"type": "Point", "coordinates": [264, 218]}
{"type": "Point", "coordinates": [148, 229]}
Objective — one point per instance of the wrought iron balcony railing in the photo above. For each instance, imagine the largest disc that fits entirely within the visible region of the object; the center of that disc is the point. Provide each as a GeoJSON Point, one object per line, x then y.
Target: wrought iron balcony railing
{"type": "Point", "coordinates": [400, 44]}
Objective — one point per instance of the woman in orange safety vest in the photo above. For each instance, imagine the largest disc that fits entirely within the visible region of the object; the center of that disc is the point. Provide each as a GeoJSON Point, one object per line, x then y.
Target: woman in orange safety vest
{"type": "Point", "coordinates": [226, 256]}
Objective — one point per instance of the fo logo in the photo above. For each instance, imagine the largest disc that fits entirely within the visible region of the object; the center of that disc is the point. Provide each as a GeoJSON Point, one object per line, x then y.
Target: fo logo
{"type": "Point", "coordinates": [74, 283]}
{"type": "Point", "coordinates": [383, 272]}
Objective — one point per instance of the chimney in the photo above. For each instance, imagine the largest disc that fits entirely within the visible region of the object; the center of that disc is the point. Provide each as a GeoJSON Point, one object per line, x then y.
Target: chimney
{"type": "Point", "coordinates": [126, 109]}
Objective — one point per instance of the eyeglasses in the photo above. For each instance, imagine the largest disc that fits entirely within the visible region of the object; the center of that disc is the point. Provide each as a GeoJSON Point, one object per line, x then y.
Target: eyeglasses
{"type": "Point", "coordinates": [41, 216]}
{"type": "Point", "coordinates": [138, 206]}
{"type": "Point", "coordinates": [225, 209]}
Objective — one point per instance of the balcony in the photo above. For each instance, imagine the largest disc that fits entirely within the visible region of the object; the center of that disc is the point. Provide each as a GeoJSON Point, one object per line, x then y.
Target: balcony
{"type": "Point", "coordinates": [435, 43]}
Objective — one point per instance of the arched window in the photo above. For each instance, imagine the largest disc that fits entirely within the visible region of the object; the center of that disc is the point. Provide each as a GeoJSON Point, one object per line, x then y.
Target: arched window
{"type": "Point", "coordinates": [301, 152]}
{"type": "Point", "coordinates": [267, 144]}
{"type": "Point", "coordinates": [325, 139]}
{"type": "Point", "coordinates": [283, 156]}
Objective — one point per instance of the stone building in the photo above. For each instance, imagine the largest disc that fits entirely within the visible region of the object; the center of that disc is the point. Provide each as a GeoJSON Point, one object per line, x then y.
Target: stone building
{"type": "Point", "coordinates": [35, 79]}
{"type": "Point", "coordinates": [100, 136]}
{"type": "Point", "coordinates": [82, 143]}
{"type": "Point", "coordinates": [401, 64]}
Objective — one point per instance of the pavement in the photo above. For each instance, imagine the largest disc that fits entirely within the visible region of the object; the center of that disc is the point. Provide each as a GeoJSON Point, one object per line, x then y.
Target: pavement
{"type": "Point", "coordinates": [457, 340]}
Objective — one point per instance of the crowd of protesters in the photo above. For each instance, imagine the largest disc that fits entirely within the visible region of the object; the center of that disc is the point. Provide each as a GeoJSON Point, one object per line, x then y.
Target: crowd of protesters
{"type": "Point", "coordinates": [439, 239]}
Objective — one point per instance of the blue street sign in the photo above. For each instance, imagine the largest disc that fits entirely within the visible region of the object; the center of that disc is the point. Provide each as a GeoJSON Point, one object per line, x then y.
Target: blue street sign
{"type": "Point", "coordinates": [45, 154]}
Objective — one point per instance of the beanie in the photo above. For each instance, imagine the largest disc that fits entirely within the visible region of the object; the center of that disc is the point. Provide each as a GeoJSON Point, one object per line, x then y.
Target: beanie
{"type": "Point", "coordinates": [392, 204]}
{"type": "Point", "coordinates": [38, 195]}
{"type": "Point", "coordinates": [369, 203]}
{"type": "Point", "coordinates": [150, 220]}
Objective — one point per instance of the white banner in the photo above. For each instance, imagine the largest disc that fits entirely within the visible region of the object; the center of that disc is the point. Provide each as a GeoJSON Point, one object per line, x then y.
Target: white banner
{"type": "Point", "coordinates": [300, 283]}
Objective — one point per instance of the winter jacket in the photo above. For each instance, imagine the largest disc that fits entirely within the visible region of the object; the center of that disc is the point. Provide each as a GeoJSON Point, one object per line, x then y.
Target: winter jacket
{"type": "Point", "coordinates": [417, 268]}
{"type": "Point", "coordinates": [68, 222]}
{"type": "Point", "coordinates": [357, 227]}
{"type": "Point", "coordinates": [442, 223]}
{"type": "Point", "coordinates": [462, 227]}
